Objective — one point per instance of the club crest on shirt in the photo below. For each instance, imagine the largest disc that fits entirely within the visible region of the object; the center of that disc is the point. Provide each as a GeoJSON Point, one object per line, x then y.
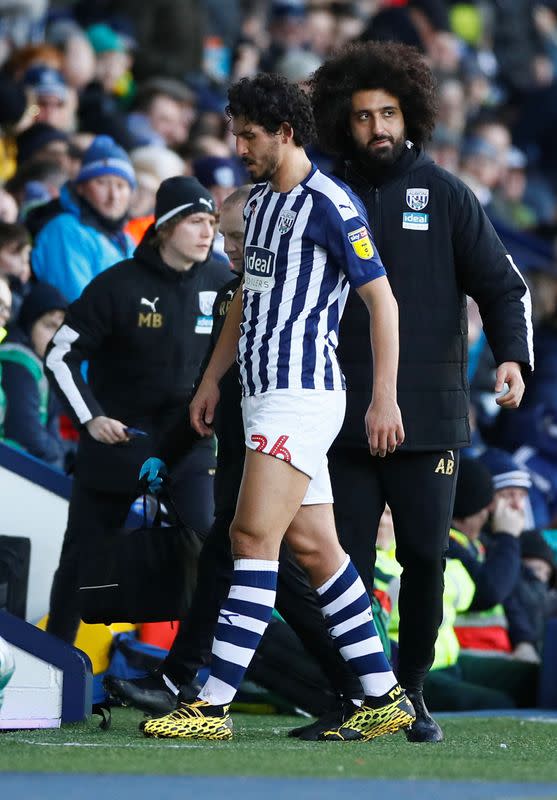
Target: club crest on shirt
{"type": "Point", "coordinates": [285, 221]}
{"type": "Point", "coordinates": [206, 302]}
{"type": "Point", "coordinates": [417, 198]}
{"type": "Point", "coordinates": [361, 243]}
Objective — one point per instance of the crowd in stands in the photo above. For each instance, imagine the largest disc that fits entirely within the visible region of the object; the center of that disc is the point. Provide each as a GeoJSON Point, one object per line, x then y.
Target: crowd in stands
{"type": "Point", "coordinates": [135, 92]}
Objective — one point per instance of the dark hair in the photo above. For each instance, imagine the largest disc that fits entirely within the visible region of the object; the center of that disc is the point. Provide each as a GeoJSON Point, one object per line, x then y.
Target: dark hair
{"type": "Point", "coordinates": [167, 87]}
{"type": "Point", "coordinates": [14, 233]}
{"type": "Point", "coordinates": [269, 100]}
{"type": "Point", "coordinates": [396, 68]}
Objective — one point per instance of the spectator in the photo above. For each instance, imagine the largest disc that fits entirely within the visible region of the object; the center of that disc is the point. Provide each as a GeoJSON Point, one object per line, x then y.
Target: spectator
{"type": "Point", "coordinates": [44, 142]}
{"type": "Point", "coordinates": [8, 206]}
{"type": "Point", "coordinates": [56, 100]}
{"type": "Point", "coordinates": [78, 57]}
{"type": "Point", "coordinates": [152, 165]}
{"type": "Point", "coordinates": [480, 169]}
{"type": "Point", "coordinates": [533, 601]}
{"type": "Point", "coordinates": [13, 109]}
{"type": "Point", "coordinates": [164, 112]}
{"type": "Point", "coordinates": [508, 203]}
{"type": "Point", "coordinates": [5, 305]}
{"type": "Point", "coordinates": [168, 33]}
{"type": "Point", "coordinates": [36, 184]}
{"type": "Point", "coordinates": [487, 655]}
{"type": "Point", "coordinates": [113, 62]}
{"type": "Point", "coordinates": [144, 327]}
{"type": "Point", "coordinates": [510, 481]}
{"type": "Point", "coordinates": [31, 55]}
{"type": "Point", "coordinates": [15, 247]}
{"type": "Point", "coordinates": [219, 175]}
{"type": "Point", "coordinates": [445, 688]}
{"type": "Point", "coordinates": [87, 236]}
{"type": "Point", "coordinates": [31, 412]}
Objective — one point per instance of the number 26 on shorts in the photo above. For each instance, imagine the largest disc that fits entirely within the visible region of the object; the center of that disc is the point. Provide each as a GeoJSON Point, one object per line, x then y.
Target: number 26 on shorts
{"type": "Point", "coordinates": [278, 450]}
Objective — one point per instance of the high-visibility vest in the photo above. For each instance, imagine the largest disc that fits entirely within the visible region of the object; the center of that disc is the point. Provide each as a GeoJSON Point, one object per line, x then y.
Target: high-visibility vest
{"type": "Point", "coordinates": [481, 631]}
{"type": "Point", "coordinates": [457, 596]}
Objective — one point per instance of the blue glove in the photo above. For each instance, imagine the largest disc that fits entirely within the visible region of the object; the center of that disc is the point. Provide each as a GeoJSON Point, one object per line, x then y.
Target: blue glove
{"type": "Point", "coordinates": [153, 473]}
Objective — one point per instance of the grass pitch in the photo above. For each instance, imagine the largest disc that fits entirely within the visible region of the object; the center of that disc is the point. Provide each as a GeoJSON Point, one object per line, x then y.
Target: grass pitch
{"type": "Point", "coordinates": [475, 749]}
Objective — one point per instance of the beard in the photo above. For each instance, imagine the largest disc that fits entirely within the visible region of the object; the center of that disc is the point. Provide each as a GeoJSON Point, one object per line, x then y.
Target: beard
{"type": "Point", "coordinates": [263, 171]}
{"type": "Point", "coordinates": [373, 159]}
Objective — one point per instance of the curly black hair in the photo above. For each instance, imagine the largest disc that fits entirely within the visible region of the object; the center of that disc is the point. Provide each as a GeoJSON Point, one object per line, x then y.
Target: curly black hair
{"type": "Point", "coordinates": [269, 100]}
{"type": "Point", "coordinates": [396, 68]}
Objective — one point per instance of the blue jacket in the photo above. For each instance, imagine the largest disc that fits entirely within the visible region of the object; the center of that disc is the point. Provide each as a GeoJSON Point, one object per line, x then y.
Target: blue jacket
{"type": "Point", "coordinates": [72, 249]}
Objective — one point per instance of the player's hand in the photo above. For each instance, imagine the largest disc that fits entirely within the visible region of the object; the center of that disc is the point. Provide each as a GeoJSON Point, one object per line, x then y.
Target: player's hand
{"type": "Point", "coordinates": [202, 407]}
{"type": "Point", "coordinates": [107, 430]}
{"type": "Point", "coordinates": [509, 373]}
{"type": "Point", "coordinates": [526, 652]}
{"type": "Point", "coordinates": [507, 519]}
{"type": "Point", "coordinates": [384, 427]}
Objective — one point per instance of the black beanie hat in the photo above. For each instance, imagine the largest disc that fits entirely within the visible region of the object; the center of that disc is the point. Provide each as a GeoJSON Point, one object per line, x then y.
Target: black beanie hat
{"type": "Point", "coordinates": [181, 195]}
{"type": "Point", "coordinates": [41, 299]}
{"type": "Point", "coordinates": [35, 138]}
{"type": "Point", "coordinates": [534, 545]}
{"type": "Point", "coordinates": [474, 488]}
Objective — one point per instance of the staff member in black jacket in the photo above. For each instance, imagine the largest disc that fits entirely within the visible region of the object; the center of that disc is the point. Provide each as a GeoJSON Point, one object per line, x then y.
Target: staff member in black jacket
{"type": "Point", "coordinates": [144, 326]}
{"type": "Point", "coordinates": [375, 106]}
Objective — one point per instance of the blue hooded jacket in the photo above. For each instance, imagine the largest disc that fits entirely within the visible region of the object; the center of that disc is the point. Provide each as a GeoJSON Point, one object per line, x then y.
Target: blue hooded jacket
{"type": "Point", "coordinates": [72, 249]}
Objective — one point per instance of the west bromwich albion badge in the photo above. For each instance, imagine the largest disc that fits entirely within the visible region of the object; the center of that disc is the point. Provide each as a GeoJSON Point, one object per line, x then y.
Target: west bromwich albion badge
{"type": "Point", "coordinates": [417, 199]}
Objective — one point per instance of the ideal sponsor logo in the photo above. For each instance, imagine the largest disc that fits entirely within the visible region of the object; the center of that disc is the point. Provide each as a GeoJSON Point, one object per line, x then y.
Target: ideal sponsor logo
{"type": "Point", "coordinates": [414, 221]}
{"type": "Point", "coordinates": [259, 265]}
{"type": "Point", "coordinates": [417, 199]}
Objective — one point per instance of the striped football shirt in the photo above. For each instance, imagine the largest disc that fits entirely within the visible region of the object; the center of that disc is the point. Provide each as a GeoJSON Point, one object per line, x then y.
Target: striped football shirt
{"type": "Point", "coordinates": [303, 250]}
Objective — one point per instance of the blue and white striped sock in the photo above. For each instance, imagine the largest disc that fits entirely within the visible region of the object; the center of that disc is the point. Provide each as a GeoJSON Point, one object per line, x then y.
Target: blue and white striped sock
{"type": "Point", "coordinates": [242, 622]}
{"type": "Point", "coordinates": [345, 605]}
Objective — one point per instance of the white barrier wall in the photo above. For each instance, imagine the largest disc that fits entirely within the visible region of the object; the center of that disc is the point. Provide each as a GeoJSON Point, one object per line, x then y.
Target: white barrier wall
{"type": "Point", "coordinates": [30, 509]}
{"type": "Point", "coordinates": [33, 697]}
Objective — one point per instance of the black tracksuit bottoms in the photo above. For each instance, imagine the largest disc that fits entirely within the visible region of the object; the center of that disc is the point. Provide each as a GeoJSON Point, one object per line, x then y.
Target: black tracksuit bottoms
{"type": "Point", "coordinates": [419, 487]}
{"type": "Point", "coordinates": [91, 511]}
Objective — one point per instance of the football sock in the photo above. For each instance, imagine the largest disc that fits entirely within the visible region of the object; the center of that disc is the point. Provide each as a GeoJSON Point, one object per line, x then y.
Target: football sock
{"type": "Point", "coordinates": [242, 622]}
{"type": "Point", "coordinates": [345, 605]}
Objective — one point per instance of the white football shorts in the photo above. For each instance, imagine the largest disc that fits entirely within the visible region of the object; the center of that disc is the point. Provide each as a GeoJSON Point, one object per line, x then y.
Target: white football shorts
{"type": "Point", "coordinates": [298, 426]}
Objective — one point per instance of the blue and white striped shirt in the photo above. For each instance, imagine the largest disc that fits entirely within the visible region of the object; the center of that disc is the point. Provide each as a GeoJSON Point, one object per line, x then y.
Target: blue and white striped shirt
{"type": "Point", "coordinates": [303, 249]}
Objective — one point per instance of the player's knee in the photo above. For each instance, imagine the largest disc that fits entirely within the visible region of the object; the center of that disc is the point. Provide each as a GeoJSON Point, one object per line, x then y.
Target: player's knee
{"type": "Point", "coordinates": [305, 550]}
{"type": "Point", "coordinates": [245, 542]}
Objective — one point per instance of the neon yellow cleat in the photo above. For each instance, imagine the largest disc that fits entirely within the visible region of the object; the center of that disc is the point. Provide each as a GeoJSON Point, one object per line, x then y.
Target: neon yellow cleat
{"type": "Point", "coordinates": [197, 720]}
{"type": "Point", "coordinates": [368, 723]}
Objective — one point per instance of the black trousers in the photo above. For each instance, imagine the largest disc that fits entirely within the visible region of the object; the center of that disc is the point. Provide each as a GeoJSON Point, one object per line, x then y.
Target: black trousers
{"type": "Point", "coordinates": [296, 602]}
{"type": "Point", "coordinates": [420, 489]}
{"type": "Point", "coordinates": [91, 511]}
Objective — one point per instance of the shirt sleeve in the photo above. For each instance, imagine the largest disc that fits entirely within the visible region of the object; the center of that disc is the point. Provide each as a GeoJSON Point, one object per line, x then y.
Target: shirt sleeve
{"type": "Point", "coordinates": [351, 244]}
{"type": "Point", "coordinates": [87, 326]}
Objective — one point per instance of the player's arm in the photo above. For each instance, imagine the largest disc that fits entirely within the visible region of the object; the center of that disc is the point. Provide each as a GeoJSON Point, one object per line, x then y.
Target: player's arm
{"type": "Point", "coordinates": [383, 418]}
{"type": "Point", "coordinates": [202, 407]}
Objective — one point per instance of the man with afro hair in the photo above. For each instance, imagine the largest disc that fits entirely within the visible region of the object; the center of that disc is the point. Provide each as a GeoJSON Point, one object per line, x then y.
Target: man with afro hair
{"type": "Point", "coordinates": [375, 106]}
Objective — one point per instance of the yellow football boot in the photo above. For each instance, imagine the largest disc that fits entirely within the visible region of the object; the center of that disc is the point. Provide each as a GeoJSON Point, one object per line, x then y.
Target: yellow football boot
{"type": "Point", "coordinates": [197, 720]}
